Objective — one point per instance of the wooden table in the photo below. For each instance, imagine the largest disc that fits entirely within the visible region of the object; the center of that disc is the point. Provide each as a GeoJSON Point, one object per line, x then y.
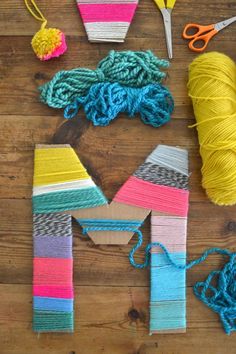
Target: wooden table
{"type": "Point", "coordinates": [111, 298]}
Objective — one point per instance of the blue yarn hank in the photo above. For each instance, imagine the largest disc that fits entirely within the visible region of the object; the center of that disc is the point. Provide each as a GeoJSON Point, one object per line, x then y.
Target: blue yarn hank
{"type": "Point", "coordinates": [221, 298]}
{"type": "Point", "coordinates": [106, 100]}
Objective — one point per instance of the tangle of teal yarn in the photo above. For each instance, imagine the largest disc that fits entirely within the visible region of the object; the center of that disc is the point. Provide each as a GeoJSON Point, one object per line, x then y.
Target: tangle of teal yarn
{"type": "Point", "coordinates": [221, 298]}
{"type": "Point", "coordinates": [105, 101]}
{"type": "Point", "coordinates": [135, 69]}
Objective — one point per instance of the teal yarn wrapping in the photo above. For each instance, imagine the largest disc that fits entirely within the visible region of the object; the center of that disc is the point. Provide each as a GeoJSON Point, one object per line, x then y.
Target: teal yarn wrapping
{"type": "Point", "coordinates": [129, 68]}
{"type": "Point", "coordinates": [109, 225]}
{"type": "Point", "coordinates": [53, 321]}
{"type": "Point", "coordinates": [105, 101]}
{"type": "Point", "coordinates": [221, 298]}
{"type": "Point", "coordinates": [68, 200]}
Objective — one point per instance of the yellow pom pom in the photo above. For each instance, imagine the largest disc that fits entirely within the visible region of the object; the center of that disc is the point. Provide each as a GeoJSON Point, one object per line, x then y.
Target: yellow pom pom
{"type": "Point", "coordinates": [48, 43]}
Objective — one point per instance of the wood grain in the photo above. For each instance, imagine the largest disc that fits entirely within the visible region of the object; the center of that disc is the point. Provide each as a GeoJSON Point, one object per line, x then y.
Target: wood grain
{"type": "Point", "coordinates": [108, 320]}
{"type": "Point", "coordinates": [112, 298]}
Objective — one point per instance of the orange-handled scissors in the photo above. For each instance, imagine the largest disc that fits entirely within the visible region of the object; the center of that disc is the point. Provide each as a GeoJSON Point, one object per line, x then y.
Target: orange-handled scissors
{"type": "Point", "coordinates": [203, 34]}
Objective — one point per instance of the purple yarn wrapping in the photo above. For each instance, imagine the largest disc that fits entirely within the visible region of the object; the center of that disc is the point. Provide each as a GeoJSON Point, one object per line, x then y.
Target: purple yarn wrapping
{"type": "Point", "coordinates": [54, 247]}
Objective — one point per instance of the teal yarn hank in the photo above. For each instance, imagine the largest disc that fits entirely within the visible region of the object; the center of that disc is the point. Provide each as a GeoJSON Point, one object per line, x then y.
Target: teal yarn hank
{"type": "Point", "coordinates": [221, 298]}
{"type": "Point", "coordinates": [105, 101]}
{"type": "Point", "coordinates": [129, 68]}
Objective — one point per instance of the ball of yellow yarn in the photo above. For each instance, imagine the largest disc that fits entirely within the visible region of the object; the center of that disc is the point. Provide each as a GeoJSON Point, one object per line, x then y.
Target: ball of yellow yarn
{"type": "Point", "coordinates": [212, 88]}
{"type": "Point", "coordinates": [48, 43]}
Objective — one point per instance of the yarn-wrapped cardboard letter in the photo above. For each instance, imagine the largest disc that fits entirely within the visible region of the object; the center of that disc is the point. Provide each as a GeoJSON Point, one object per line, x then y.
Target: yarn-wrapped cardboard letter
{"type": "Point", "coordinates": [62, 188]}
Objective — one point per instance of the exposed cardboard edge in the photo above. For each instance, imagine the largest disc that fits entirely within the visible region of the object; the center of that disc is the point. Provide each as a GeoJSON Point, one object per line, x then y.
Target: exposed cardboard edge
{"type": "Point", "coordinates": [48, 146]}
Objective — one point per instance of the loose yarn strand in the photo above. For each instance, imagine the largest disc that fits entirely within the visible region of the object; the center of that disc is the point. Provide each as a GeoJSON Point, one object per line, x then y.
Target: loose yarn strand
{"type": "Point", "coordinates": [189, 265]}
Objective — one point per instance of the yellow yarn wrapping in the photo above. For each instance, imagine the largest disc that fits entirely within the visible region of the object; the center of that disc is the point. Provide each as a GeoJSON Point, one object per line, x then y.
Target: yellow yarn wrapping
{"type": "Point", "coordinates": [61, 165]}
{"type": "Point", "coordinates": [212, 88]}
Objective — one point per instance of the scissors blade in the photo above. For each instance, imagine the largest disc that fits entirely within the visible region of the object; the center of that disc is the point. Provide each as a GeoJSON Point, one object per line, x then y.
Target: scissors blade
{"type": "Point", "coordinates": [220, 25]}
{"type": "Point", "coordinates": [166, 14]}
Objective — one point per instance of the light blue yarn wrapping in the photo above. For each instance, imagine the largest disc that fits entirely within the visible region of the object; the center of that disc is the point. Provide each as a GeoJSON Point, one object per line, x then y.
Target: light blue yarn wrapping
{"type": "Point", "coordinates": [105, 101]}
{"type": "Point", "coordinates": [222, 299]}
{"type": "Point", "coordinates": [52, 304]}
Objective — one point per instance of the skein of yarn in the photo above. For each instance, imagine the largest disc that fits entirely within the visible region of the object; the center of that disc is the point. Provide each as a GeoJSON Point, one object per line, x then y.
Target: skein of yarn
{"type": "Point", "coordinates": [135, 69]}
{"type": "Point", "coordinates": [105, 101]}
{"type": "Point", "coordinates": [212, 88]}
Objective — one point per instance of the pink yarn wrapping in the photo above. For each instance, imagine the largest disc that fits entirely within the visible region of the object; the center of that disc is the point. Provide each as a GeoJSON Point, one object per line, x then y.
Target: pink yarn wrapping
{"type": "Point", "coordinates": [154, 197]}
{"type": "Point", "coordinates": [107, 12]}
{"type": "Point", "coordinates": [53, 271]}
{"type": "Point", "coordinates": [170, 231]}
{"type": "Point", "coordinates": [53, 291]}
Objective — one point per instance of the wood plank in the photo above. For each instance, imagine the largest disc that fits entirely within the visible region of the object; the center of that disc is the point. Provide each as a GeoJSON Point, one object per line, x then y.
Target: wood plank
{"type": "Point", "coordinates": [111, 320]}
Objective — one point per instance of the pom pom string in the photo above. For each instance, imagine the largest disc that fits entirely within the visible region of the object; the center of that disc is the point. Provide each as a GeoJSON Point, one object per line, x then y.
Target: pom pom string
{"type": "Point", "coordinates": [38, 14]}
{"type": "Point", "coordinates": [128, 68]}
{"type": "Point", "coordinates": [105, 101]}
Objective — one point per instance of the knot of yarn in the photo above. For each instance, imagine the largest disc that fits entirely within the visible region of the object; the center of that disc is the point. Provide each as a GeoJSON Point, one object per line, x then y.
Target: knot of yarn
{"type": "Point", "coordinates": [105, 101]}
{"type": "Point", "coordinates": [135, 69]}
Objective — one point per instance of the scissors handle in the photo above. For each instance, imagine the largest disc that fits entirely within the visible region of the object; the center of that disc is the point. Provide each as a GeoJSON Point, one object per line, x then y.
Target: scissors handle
{"type": "Point", "coordinates": [160, 4]}
{"type": "Point", "coordinates": [199, 30]}
{"type": "Point", "coordinates": [170, 4]}
{"type": "Point", "coordinates": [202, 36]}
